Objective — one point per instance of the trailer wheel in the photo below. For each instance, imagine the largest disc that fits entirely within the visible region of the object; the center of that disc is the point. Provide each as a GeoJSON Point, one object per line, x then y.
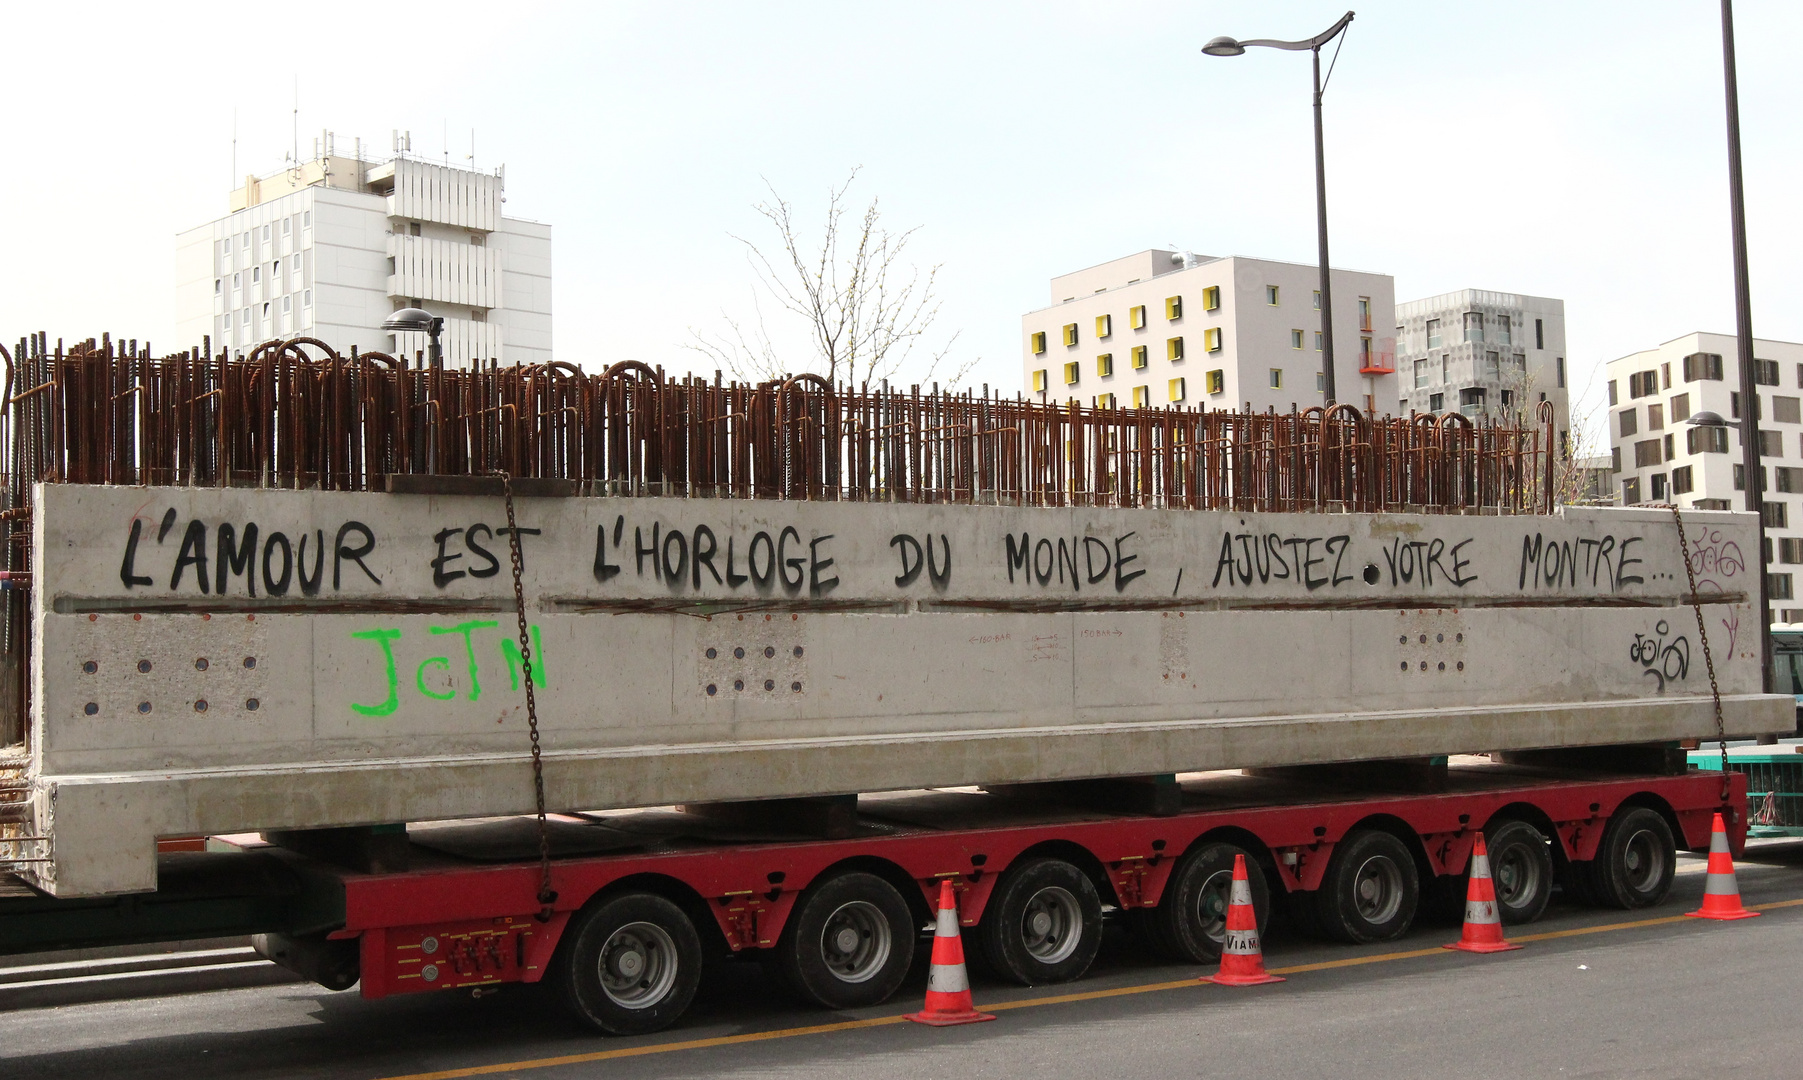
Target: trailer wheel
{"type": "Point", "coordinates": [1521, 867]}
{"type": "Point", "coordinates": [1636, 861]}
{"type": "Point", "coordinates": [1043, 923]}
{"type": "Point", "coordinates": [633, 965]}
{"type": "Point", "coordinates": [1370, 891]}
{"type": "Point", "coordinates": [849, 942]}
{"type": "Point", "coordinates": [1190, 922]}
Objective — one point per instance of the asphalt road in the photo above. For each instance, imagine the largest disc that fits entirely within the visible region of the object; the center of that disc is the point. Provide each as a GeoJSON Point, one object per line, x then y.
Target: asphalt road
{"type": "Point", "coordinates": [1593, 994]}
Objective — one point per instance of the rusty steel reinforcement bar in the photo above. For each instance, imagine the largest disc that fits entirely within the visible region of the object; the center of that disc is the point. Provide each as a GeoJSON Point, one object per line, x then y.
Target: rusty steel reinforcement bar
{"type": "Point", "coordinates": [297, 414]}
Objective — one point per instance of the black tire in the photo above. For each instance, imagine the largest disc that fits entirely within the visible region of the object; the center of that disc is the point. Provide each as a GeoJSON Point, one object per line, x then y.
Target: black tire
{"type": "Point", "coordinates": [848, 942]}
{"type": "Point", "coordinates": [1521, 868]}
{"type": "Point", "coordinates": [1043, 923]}
{"type": "Point", "coordinates": [1190, 922]}
{"type": "Point", "coordinates": [1370, 891]}
{"type": "Point", "coordinates": [1636, 861]}
{"type": "Point", "coordinates": [631, 964]}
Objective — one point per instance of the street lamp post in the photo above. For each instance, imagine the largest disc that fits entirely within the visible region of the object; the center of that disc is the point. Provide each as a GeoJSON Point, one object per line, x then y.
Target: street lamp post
{"type": "Point", "coordinates": [419, 320]}
{"type": "Point", "coordinates": [1226, 46]}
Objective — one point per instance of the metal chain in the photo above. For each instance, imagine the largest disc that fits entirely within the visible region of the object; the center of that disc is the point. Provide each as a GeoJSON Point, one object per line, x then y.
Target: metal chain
{"type": "Point", "coordinates": [1696, 606]}
{"type": "Point", "coordinates": [546, 895]}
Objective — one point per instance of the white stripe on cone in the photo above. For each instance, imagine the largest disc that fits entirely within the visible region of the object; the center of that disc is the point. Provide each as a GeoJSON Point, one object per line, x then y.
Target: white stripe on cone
{"type": "Point", "coordinates": [947, 924]}
{"type": "Point", "coordinates": [947, 979]}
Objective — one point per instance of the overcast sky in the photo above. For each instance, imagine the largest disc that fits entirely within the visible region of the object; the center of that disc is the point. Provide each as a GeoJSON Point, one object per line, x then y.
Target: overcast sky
{"type": "Point", "coordinates": [1559, 149]}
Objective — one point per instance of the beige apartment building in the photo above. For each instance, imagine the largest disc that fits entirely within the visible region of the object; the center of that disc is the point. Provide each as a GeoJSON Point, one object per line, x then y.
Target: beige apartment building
{"type": "Point", "coordinates": [1167, 327]}
{"type": "Point", "coordinates": [1658, 458]}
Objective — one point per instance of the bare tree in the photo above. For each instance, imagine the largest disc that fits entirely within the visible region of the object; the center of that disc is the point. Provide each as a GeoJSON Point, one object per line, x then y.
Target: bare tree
{"type": "Point", "coordinates": [865, 308]}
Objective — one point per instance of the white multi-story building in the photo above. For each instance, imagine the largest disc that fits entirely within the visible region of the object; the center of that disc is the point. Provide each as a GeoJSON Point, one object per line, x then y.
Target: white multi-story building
{"type": "Point", "coordinates": [1657, 457]}
{"type": "Point", "coordinates": [1164, 327]}
{"type": "Point", "coordinates": [1483, 353]}
{"type": "Point", "coordinates": [332, 247]}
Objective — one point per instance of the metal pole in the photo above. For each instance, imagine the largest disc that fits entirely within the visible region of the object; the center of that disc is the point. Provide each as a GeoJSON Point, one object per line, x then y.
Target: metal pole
{"type": "Point", "coordinates": [1321, 226]}
{"type": "Point", "coordinates": [1743, 334]}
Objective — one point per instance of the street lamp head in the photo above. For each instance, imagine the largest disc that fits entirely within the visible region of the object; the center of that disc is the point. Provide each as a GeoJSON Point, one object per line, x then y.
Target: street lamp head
{"type": "Point", "coordinates": [1707, 419]}
{"type": "Point", "coordinates": [1223, 46]}
{"type": "Point", "coordinates": [411, 318]}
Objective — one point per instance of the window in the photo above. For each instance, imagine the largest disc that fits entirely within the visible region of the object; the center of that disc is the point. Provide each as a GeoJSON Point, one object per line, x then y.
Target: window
{"type": "Point", "coordinates": [1669, 453]}
{"type": "Point", "coordinates": [1474, 326]}
{"type": "Point", "coordinates": [1271, 295]}
{"type": "Point", "coordinates": [1211, 339]}
{"type": "Point", "coordinates": [266, 234]}
{"type": "Point", "coordinates": [1176, 390]}
{"type": "Point", "coordinates": [1433, 329]}
{"type": "Point", "coordinates": [287, 304]}
{"type": "Point", "coordinates": [1142, 397]}
{"type": "Point", "coordinates": [287, 226]}
{"type": "Point", "coordinates": [1765, 372]}
{"type": "Point", "coordinates": [1173, 308]}
{"type": "Point", "coordinates": [1436, 402]}
{"type": "Point", "coordinates": [413, 228]}
{"type": "Point", "coordinates": [307, 298]}
{"type": "Point", "coordinates": [1217, 381]}
{"type": "Point", "coordinates": [1295, 339]}
{"type": "Point", "coordinates": [1627, 418]}
{"type": "Point", "coordinates": [1643, 384]}
{"type": "Point", "coordinates": [1277, 378]}
{"type": "Point", "coordinates": [256, 274]}
{"type": "Point", "coordinates": [275, 269]}
{"type": "Point", "coordinates": [1706, 440]}
{"type": "Point", "coordinates": [1038, 340]}
{"type": "Point", "coordinates": [1789, 481]}
{"type": "Point", "coordinates": [1612, 391]}
{"type": "Point", "coordinates": [1615, 459]}
{"type": "Point", "coordinates": [1630, 491]}
{"type": "Point", "coordinates": [1665, 376]}
{"type": "Point", "coordinates": [244, 317]}
{"type": "Point", "coordinates": [1559, 372]}
{"type": "Point", "coordinates": [1211, 301]}
{"type": "Point", "coordinates": [1790, 550]}
{"type": "Point", "coordinates": [1680, 408]}
{"type": "Point", "coordinates": [1365, 359]}
{"type": "Point", "coordinates": [1321, 387]}
{"type": "Point", "coordinates": [1173, 348]}
{"type": "Point", "coordinates": [294, 262]}
{"type": "Point", "coordinates": [1734, 405]}
{"type": "Point", "coordinates": [1521, 365]}
{"type": "Point", "coordinates": [1540, 336]}
{"type": "Point", "coordinates": [1104, 401]}
{"type": "Point", "coordinates": [1039, 381]}
{"type": "Point", "coordinates": [1658, 487]}
{"type": "Point", "coordinates": [1070, 373]}
{"type": "Point", "coordinates": [225, 248]}
{"type": "Point", "coordinates": [1740, 478]}
{"type": "Point", "coordinates": [1365, 313]}
{"type": "Point", "coordinates": [1712, 504]}
{"type": "Point", "coordinates": [1493, 367]}
{"type": "Point", "coordinates": [1317, 299]}
{"type": "Point", "coordinates": [1508, 398]}
{"type": "Point", "coordinates": [1699, 366]}
{"type": "Point", "coordinates": [1502, 330]}
{"type": "Point", "coordinates": [1421, 374]}
{"type": "Point", "coordinates": [1471, 397]}
{"type": "Point", "coordinates": [1136, 317]}
{"type": "Point", "coordinates": [1105, 365]}
{"type": "Point", "coordinates": [218, 286]}
{"type": "Point", "coordinates": [1139, 357]}
{"type": "Point", "coordinates": [265, 311]}
{"type": "Point", "coordinates": [1681, 482]}
{"type": "Point", "coordinates": [478, 240]}
{"type": "Point", "coordinates": [306, 219]}
{"type": "Point", "coordinates": [1317, 341]}
{"type": "Point", "coordinates": [1070, 334]}
{"type": "Point", "coordinates": [245, 243]}
{"type": "Point", "coordinates": [1104, 326]}
{"type": "Point", "coordinates": [1771, 444]}
{"type": "Point", "coordinates": [1785, 411]}
{"type": "Point", "coordinates": [1777, 515]}
{"type": "Point", "coordinates": [1655, 417]}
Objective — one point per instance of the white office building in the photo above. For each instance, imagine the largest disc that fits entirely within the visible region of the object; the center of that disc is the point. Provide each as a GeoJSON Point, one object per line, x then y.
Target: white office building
{"type": "Point", "coordinates": [1168, 327]}
{"type": "Point", "coordinates": [330, 248]}
{"type": "Point", "coordinates": [1658, 458]}
{"type": "Point", "coordinates": [1484, 353]}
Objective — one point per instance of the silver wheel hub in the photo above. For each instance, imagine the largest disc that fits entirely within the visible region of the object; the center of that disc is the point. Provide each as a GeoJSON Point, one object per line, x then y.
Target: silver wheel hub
{"type": "Point", "coordinates": [638, 965]}
{"type": "Point", "coordinates": [855, 942]}
{"type": "Point", "coordinates": [1052, 925]}
{"type": "Point", "coordinates": [1377, 890]}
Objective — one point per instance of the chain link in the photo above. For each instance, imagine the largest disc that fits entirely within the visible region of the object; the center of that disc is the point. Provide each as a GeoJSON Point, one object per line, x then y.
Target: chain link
{"type": "Point", "coordinates": [546, 895]}
{"type": "Point", "coordinates": [1696, 606]}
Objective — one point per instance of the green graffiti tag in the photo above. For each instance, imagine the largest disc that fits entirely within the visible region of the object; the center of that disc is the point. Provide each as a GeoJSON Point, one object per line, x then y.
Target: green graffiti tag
{"type": "Point", "coordinates": [435, 670]}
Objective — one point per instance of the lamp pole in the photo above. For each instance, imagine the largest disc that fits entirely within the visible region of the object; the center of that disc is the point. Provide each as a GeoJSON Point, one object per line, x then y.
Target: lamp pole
{"type": "Point", "coordinates": [1226, 46]}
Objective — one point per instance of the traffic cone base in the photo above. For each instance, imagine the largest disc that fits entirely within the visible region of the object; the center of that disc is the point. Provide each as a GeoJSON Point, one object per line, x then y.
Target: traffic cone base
{"type": "Point", "coordinates": [1483, 927]}
{"type": "Point", "coordinates": [948, 987]}
{"type": "Point", "coordinates": [1242, 959]}
{"type": "Point", "coordinates": [1721, 892]}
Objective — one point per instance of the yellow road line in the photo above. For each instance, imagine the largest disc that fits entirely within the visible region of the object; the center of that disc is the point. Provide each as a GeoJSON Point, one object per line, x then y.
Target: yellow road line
{"type": "Point", "coordinates": [1024, 1003]}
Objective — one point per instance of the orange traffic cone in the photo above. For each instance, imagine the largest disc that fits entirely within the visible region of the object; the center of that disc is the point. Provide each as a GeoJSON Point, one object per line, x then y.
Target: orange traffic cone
{"type": "Point", "coordinates": [1242, 961]}
{"type": "Point", "coordinates": [1721, 893]}
{"type": "Point", "coordinates": [1483, 927]}
{"type": "Point", "coordinates": [948, 987]}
